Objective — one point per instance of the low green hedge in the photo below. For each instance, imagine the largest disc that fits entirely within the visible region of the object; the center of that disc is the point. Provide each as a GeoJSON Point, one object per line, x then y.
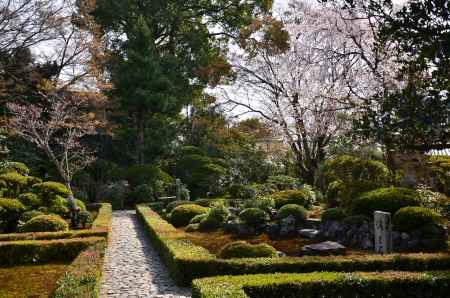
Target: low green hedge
{"type": "Point", "coordinates": [43, 251]}
{"type": "Point", "coordinates": [187, 261]}
{"type": "Point", "coordinates": [100, 228]}
{"type": "Point", "coordinates": [83, 277]}
{"type": "Point", "coordinates": [393, 284]}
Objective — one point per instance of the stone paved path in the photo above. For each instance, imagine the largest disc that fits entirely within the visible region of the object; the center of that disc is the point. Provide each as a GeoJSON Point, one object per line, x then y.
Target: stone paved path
{"type": "Point", "coordinates": [132, 267]}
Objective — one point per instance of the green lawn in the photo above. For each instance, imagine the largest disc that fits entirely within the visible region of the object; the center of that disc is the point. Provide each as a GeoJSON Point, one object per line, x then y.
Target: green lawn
{"type": "Point", "coordinates": [30, 281]}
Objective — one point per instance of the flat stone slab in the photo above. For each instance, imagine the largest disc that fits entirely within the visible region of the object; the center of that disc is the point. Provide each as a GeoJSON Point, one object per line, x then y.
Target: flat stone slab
{"type": "Point", "coordinates": [309, 233]}
{"type": "Point", "coordinates": [323, 249]}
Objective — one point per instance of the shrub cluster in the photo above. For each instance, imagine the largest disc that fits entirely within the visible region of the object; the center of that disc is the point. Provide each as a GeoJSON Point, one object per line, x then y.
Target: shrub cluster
{"type": "Point", "coordinates": [333, 214]}
{"type": "Point", "coordinates": [253, 216]}
{"type": "Point", "coordinates": [410, 218]}
{"type": "Point", "coordinates": [389, 199]}
{"type": "Point", "coordinates": [297, 211]}
{"type": "Point", "coordinates": [182, 215]}
{"type": "Point", "coordinates": [300, 197]}
{"type": "Point", "coordinates": [242, 249]}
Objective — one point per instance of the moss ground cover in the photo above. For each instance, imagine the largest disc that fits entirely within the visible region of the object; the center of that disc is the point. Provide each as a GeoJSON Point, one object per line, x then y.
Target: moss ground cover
{"type": "Point", "coordinates": [30, 281]}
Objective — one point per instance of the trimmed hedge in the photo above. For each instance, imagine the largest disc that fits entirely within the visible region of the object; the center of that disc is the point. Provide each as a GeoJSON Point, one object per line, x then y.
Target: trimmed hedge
{"type": "Point", "coordinates": [182, 215]}
{"type": "Point", "coordinates": [187, 261]}
{"type": "Point", "coordinates": [100, 228]}
{"type": "Point", "coordinates": [297, 211]}
{"type": "Point", "coordinates": [43, 251]}
{"type": "Point", "coordinates": [83, 277]}
{"type": "Point", "coordinates": [299, 197]}
{"type": "Point", "coordinates": [393, 284]}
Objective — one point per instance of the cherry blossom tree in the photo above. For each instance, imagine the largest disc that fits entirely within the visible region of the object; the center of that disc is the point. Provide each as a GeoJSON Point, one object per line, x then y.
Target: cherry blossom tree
{"type": "Point", "coordinates": [58, 131]}
{"type": "Point", "coordinates": [306, 88]}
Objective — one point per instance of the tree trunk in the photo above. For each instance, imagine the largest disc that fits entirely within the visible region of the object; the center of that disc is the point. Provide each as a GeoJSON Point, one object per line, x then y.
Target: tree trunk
{"type": "Point", "coordinates": [72, 206]}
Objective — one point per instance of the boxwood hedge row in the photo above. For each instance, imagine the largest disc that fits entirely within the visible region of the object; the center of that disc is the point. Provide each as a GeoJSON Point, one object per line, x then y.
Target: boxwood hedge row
{"type": "Point", "coordinates": [100, 228]}
{"type": "Point", "coordinates": [392, 284]}
{"type": "Point", "coordinates": [187, 261]}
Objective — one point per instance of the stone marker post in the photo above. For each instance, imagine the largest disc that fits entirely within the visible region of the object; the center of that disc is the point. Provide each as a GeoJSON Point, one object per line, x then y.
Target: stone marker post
{"type": "Point", "coordinates": [383, 232]}
{"type": "Point", "coordinates": [178, 184]}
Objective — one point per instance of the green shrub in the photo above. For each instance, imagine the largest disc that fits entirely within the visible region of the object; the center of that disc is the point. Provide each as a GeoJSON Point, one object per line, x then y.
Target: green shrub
{"type": "Point", "coordinates": [198, 218]}
{"type": "Point", "coordinates": [210, 223]}
{"type": "Point", "coordinates": [15, 183]}
{"type": "Point", "coordinates": [393, 284]}
{"type": "Point", "coordinates": [440, 166]}
{"type": "Point", "coordinates": [31, 180]}
{"type": "Point", "coordinates": [410, 218]}
{"type": "Point", "coordinates": [174, 204]}
{"type": "Point", "coordinates": [14, 166]}
{"type": "Point", "coordinates": [30, 200]}
{"type": "Point", "coordinates": [84, 219]}
{"type": "Point", "coordinates": [264, 203]}
{"type": "Point", "coordinates": [333, 214]}
{"type": "Point", "coordinates": [356, 220]}
{"type": "Point", "coordinates": [219, 212]}
{"type": "Point", "coordinates": [299, 212]}
{"type": "Point", "coordinates": [182, 215]}
{"type": "Point", "coordinates": [26, 216]}
{"type": "Point", "coordinates": [49, 191]}
{"type": "Point", "coordinates": [142, 193]}
{"type": "Point", "coordinates": [283, 182]}
{"type": "Point", "coordinates": [59, 207]}
{"type": "Point", "coordinates": [253, 216]}
{"type": "Point", "coordinates": [10, 213]}
{"type": "Point", "coordinates": [208, 202]}
{"type": "Point", "coordinates": [45, 223]}
{"type": "Point", "coordinates": [300, 197]}
{"type": "Point", "coordinates": [242, 249]}
{"type": "Point", "coordinates": [388, 199]}
{"type": "Point", "coordinates": [79, 203]}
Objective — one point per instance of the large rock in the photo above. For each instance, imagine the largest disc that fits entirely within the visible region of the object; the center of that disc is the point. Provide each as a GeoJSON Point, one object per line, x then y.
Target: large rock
{"type": "Point", "coordinates": [287, 226]}
{"type": "Point", "coordinates": [309, 233]}
{"type": "Point", "coordinates": [231, 227]}
{"type": "Point", "coordinates": [323, 249]}
{"type": "Point", "coordinates": [245, 230]}
{"type": "Point", "coordinates": [312, 223]}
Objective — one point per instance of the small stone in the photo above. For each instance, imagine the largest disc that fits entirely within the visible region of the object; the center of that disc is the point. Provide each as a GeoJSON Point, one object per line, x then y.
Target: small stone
{"type": "Point", "coordinates": [404, 236]}
{"type": "Point", "coordinates": [309, 233]}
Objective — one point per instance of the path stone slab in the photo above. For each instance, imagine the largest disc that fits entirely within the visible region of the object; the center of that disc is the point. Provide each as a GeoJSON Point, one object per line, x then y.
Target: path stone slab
{"type": "Point", "coordinates": [132, 267]}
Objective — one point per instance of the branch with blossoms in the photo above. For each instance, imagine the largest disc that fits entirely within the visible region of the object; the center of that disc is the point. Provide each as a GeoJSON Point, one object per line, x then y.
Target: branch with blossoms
{"type": "Point", "coordinates": [58, 130]}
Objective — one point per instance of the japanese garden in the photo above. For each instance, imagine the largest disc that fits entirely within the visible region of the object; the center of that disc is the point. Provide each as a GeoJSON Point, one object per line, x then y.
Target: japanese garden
{"type": "Point", "coordinates": [224, 148]}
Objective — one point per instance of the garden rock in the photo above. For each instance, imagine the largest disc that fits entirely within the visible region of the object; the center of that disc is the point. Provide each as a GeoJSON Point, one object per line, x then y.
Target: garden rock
{"type": "Point", "coordinates": [323, 249]}
{"type": "Point", "coordinates": [280, 254]}
{"type": "Point", "coordinates": [244, 230]}
{"type": "Point", "coordinates": [312, 223]}
{"type": "Point", "coordinates": [273, 231]}
{"type": "Point", "coordinates": [231, 227]}
{"type": "Point", "coordinates": [234, 210]}
{"type": "Point", "coordinates": [309, 233]}
{"type": "Point", "coordinates": [287, 226]}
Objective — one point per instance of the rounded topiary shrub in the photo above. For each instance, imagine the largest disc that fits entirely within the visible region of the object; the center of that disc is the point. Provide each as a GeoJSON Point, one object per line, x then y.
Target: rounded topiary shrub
{"type": "Point", "coordinates": [10, 212]}
{"type": "Point", "coordinates": [45, 223]}
{"type": "Point", "coordinates": [51, 188]}
{"type": "Point", "coordinates": [26, 216]}
{"type": "Point", "coordinates": [336, 214]}
{"type": "Point", "coordinates": [389, 199]}
{"type": "Point", "coordinates": [253, 216]}
{"type": "Point", "coordinates": [410, 218]}
{"type": "Point", "coordinates": [60, 207]}
{"type": "Point", "coordinates": [182, 215]}
{"type": "Point", "coordinates": [210, 223]}
{"type": "Point", "coordinates": [30, 200]}
{"type": "Point", "coordinates": [174, 204]}
{"type": "Point", "coordinates": [198, 218]}
{"type": "Point", "coordinates": [80, 204]}
{"type": "Point", "coordinates": [299, 197]}
{"type": "Point", "coordinates": [242, 249]}
{"type": "Point", "coordinates": [209, 202]}
{"type": "Point", "coordinates": [297, 211]}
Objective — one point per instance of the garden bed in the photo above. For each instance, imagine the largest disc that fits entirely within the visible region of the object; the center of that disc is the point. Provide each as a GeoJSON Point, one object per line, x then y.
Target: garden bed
{"type": "Point", "coordinates": [187, 261]}
{"type": "Point", "coordinates": [30, 281]}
